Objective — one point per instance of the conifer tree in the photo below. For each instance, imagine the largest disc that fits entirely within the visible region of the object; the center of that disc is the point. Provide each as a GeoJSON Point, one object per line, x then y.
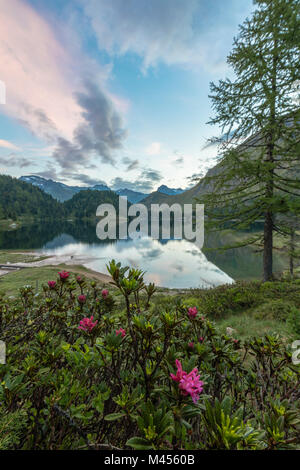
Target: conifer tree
{"type": "Point", "coordinates": [258, 176]}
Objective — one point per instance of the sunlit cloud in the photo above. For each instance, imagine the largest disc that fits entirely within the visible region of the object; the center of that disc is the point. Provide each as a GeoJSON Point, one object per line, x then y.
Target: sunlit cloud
{"type": "Point", "coordinates": [8, 145]}
{"type": "Point", "coordinates": [48, 93]}
{"type": "Point", "coordinates": [171, 31]}
{"type": "Point", "coordinates": [154, 148]}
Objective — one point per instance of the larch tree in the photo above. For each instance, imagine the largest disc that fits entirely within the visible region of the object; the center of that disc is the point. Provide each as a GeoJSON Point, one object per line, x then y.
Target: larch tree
{"type": "Point", "coordinates": [258, 177]}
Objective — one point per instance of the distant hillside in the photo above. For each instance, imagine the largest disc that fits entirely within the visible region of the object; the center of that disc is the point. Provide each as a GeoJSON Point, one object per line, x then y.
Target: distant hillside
{"type": "Point", "coordinates": [19, 199]}
{"type": "Point", "coordinates": [133, 196]}
{"type": "Point", "coordinates": [85, 203]}
{"type": "Point", "coordinates": [59, 191]}
{"type": "Point", "coordinates": [63, 192]}
{"type": "Point", "coordinates": [205, 185]}
{"type": "Point", "coordinates": [170, 191]}
{"type": "Point", "coordinates": [186, 197]}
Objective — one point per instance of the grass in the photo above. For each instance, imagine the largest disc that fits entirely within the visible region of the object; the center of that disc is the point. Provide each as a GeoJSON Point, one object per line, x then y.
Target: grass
{"type": "Point", "coordinates": [10, 256]}
{"type": "Point", "coordinates": [36, 276]}
{"type": "Point", "coordinates": [245, 326]}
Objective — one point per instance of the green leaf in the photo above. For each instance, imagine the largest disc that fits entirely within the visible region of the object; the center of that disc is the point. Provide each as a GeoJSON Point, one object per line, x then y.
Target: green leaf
{"type": "Point", "coordinates": [139, 443]}
{"type": "Point", "coordinates": [114, 416]}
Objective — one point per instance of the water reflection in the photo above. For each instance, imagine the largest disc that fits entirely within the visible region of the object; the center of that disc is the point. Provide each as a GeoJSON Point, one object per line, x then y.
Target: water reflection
{"type": "Point", "coordinates": [172, 263]}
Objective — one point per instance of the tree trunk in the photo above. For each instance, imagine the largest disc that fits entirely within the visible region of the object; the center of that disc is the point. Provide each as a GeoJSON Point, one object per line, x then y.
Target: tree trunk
{"type": "Point", "coordinates": [292, 252]}
{"type": "Point", "coordinates": [268, 247]}
{"type": "Point", "coordinates": [269, 214]}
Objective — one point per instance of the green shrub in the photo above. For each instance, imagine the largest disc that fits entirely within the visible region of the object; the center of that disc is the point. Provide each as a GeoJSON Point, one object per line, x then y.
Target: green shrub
{"type": "Point", "coordinates": [87, 371]}
{"type": "Point", "coordinates": [278, 309]}
{"type": "Point", "coordinates": [293, 321]}
{"type": "Point", "coordinates": [12, 427]}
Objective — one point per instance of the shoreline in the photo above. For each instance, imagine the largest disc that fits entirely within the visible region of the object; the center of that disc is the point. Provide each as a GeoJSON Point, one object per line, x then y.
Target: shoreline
{"type": "Point", "coordinates": [75, 263]}
{"type": "Point", "coordinates": [70, 261]}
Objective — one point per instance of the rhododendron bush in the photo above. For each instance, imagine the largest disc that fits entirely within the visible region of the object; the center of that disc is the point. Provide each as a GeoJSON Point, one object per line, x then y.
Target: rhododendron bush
{"type": "Point", "coordinates": [94, 368]}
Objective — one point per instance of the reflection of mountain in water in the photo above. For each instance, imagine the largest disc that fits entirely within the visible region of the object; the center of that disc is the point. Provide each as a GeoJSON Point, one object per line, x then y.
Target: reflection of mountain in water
{"type": "Point", "coordinates": [238, 263]}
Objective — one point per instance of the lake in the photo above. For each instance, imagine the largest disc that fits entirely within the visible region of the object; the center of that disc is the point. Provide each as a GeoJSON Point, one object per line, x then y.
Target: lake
{"type": "Point", "coordinates": [168, 263]}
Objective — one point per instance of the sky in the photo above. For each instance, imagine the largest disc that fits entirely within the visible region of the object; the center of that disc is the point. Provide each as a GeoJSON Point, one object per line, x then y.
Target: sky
{"type": "Point", "coordinates": [113, 91]}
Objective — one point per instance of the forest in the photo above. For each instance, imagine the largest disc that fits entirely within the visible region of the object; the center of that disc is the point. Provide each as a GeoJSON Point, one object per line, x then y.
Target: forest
{"type": "Point", "coordinates": [19, 199]}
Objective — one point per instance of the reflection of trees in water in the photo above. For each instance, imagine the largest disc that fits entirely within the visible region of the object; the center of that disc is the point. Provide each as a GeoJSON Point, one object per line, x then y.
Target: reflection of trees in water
{"type": "Point", "coordinates": [37, 235]}
{"type": "Point", "coordinates": [238, 263]}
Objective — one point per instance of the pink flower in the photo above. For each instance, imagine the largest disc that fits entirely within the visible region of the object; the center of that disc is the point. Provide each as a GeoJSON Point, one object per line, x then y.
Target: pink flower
{"type": "Point", "coordinates": [51, 284]}
{"type": "Point", "coordinates": [79, 280]}
{"type": "Point", "coordinates": [201, 339]}
{"type": "Point", "coordinates": [64, 275]}
{"type": "Point", "coordinates": [192, 312]}
{"type": "Point", "coordinates": [189, 384]}
{"type": "Point", "coordinates": [191, 345]}
{"type": "Point", "coordinates": [121, 331]}
{"type": "Point", "coordinates": [87, 324]}
{"type": "Point", "coordinates": [104, 293]}
{"type": "Point", "coordinates": [81, 299]}
{"type": "Point", "coordinates": [179, 372]}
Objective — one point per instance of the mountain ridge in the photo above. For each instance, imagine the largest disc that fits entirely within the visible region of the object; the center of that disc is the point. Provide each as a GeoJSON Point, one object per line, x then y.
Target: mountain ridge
{"type": "Point", "coordinates": [62, 192]}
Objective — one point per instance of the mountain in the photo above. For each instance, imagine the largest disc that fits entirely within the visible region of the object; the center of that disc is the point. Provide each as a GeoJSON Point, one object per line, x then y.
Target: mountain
{"type": "Point", "coordinates": [19, 199]}
{"type": "Point", "coordinates": [170, 191]}
{"type": "Point", "coordinates": [132, 196]}
{"type": "Point", "coordinates": [97, 187]}
{"type": "Point", "coordinates": [186, 197]}
{"type": "Point", "coordinates": [59, 191]}
{"type": "Point", "coordinates": [63, 192]}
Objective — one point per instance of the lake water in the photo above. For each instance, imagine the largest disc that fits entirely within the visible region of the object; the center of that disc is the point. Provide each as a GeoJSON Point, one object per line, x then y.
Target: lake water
{"type": "Point", "coordinates": [168, 263]}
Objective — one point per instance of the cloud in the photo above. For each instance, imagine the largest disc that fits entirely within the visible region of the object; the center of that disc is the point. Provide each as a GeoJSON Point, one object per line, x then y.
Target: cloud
{"type": "Point", "coordinates": [48, 91]}
{"type": "Point", "coordinates": [37, 71]}
{"type": "Point", "coordinates": [154, 148]}
{"type": "Point", "coordinates": [50, 173]}
{"type": "Point", "coordinates": [8, 145]}
{"type": "Point", "coordinates": [130, 163]}
{"type": "Point", "coordinates": [151, 175]}
{"type": "Point", "coordinates": [86, 179]}
{"type": "Point", "coordinates": [195, 178]}
{"type": "Point", "coordinates": [100, 134]}
{"type": "Point", "coordinates": [14, 160]}
{"type": "Point", "coordinates": [179, 160]}
{"type": "Point", "coordinates": [169, 31]}
{"type": "Point", "coordinates": [144, 182]}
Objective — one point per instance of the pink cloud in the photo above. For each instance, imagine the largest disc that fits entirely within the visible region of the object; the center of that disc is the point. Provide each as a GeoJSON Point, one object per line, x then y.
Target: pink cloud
{"type": "Point", "coordinates": [43, 73]}
{"type": "Point", "coordinates": [37, 71]}
{"type": "Point", "coordinates": [8, 145]}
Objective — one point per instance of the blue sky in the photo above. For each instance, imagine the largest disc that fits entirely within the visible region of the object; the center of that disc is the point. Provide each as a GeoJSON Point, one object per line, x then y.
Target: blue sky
{"type": "Point", "coordinates": [112, 91]}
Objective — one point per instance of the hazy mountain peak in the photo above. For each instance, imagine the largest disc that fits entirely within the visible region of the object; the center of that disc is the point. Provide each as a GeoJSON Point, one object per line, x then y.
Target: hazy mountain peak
{"type": "Point", "coordinates": [170, 191]}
